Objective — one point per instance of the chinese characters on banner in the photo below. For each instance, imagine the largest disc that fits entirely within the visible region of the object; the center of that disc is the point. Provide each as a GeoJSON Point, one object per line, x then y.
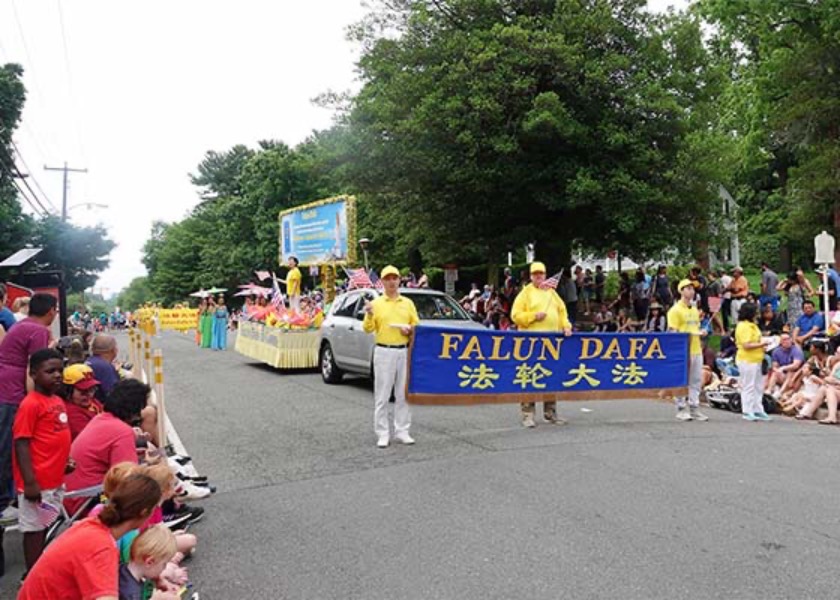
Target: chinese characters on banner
{"type": "Point", "coordinates": [179, 319]}
{"type": "Point", "coordinates": [468, 366]}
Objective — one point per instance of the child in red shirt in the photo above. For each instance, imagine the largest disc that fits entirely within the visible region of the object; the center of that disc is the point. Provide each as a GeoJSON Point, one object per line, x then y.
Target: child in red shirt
{"type": "Point", "coordinates": [41, 452]}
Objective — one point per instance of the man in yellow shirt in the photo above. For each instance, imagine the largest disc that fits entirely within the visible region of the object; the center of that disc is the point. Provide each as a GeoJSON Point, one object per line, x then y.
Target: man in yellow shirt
{"type": "Point", "coordinates": [538, 309]}
{"type": "Point", "coordinates": [685, 318]}
{"type": "Point", "coordinates": [293, 284]}
{"type": "Point", "coordinates": [391, 317]}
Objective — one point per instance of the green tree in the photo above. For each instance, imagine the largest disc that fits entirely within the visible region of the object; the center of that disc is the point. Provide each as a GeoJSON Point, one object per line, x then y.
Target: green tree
{"type": "Point", "coordinates": [486, 123]}
{"type": "Point", "coordinates": [786, 57]}
{"type": "Point", "coordinates": [136, 294]}
{"type": "Point", "coordinates": [81, 252]}
{"type": "Point", "coordinates": [15, 226]}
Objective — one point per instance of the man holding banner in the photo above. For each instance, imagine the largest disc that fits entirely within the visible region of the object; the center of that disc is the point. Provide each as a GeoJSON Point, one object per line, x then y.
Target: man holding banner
{"type": "Point", "coordinates": [539, 308]}
{"type": "Point", "coordinates": [685, 318]}
{"type": "Point", "coordinates": [392, 318]}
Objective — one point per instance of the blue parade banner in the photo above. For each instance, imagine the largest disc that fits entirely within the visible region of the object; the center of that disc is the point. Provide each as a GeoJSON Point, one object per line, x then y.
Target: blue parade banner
{"type": "Point", "coordinates": [469, 366]}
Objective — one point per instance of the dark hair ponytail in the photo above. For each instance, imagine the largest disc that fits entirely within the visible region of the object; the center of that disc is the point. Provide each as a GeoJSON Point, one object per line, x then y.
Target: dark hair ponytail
{"type": "Point", "coordinates": [134, 497]}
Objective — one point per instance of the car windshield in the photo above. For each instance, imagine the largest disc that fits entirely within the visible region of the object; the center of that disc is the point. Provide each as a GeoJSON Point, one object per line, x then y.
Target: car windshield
{"type": "Point", "coordinates": [431, 307]}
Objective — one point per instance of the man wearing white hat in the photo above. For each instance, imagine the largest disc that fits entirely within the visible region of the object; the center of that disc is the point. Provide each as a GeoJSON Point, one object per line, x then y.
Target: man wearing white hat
{"type": "Point", "coordinates": [392, 318]}
{"type": "Point", "coordinates": [685, 318]}
{"type": "Point", "coordinates": [539, 309]}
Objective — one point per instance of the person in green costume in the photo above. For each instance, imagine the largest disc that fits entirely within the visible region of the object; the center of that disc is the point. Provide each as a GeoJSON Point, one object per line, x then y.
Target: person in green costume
{"type": "Point", "coordinates": [207, 323]}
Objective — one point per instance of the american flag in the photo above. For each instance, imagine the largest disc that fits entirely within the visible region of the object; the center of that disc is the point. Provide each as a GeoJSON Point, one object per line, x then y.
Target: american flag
{"type": "Point", "coordinates": [552, 282]}
{"type": "Point", "coordinates": [377, 282]}
{"type": "Point", "coordinates": [358, 278]}
{"type": "Point", "coordinates": [277, 295]}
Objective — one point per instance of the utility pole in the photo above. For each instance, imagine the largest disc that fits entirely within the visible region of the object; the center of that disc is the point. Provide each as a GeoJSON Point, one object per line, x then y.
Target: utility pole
{"type": "Point", "coordinates": [66, 170]}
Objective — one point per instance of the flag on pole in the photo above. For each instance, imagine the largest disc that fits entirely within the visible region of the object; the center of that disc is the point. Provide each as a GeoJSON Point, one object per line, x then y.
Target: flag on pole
{"type": "Point", "coordinates": [262, 275]}
{"type": "Point", "coordinates": [552, 282]}
{"type": "Point", "coordinates": [358, 278]}
{"type": "Point", "coordinates": [376, 281]}
{"type": "Point", "coordinates": [277, 296]}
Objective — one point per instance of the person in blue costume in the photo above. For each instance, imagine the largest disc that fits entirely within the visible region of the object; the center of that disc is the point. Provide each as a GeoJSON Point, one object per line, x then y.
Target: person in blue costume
{"type": "Point", "coordinates": [220, 325]}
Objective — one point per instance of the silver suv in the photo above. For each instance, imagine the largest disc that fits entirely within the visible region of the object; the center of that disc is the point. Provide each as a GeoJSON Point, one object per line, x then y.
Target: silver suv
{"type": "Point", "coordinates": [346, 348]}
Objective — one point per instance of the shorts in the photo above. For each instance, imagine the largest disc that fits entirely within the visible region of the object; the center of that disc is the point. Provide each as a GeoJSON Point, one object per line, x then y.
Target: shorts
{"type": "Point", "coordinates": [35, 516]}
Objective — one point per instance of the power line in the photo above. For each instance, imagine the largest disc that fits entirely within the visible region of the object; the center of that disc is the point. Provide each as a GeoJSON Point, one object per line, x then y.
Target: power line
{"type": "Point", "coordinates": [32, 176]}
{"type": "Point", "coordinates": [70, 78]}
{"type": "Point", "coordinates": [20, 191]}
{"type": "Point", "coordinates": [18, 175]}
{"type": "Point", "coordinates": [29, 60]}
{"type": "Point", "coordinates": [66, 171]}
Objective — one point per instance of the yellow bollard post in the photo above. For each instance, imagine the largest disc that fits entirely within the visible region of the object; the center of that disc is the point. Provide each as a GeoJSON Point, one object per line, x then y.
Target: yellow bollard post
{"type": "Point", "coordinates": [131, 346]}
{"type": "Point", "coordinates": [161, 406]}
{"type": "Point", "coordinates": [138, 355]}
{"type": "Point", "coordinates": [147, 362]}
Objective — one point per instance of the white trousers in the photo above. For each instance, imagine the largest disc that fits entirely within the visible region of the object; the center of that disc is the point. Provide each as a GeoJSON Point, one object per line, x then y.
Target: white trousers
{"type": "Point", "coordinates": [294, 303]}
{"type": "Point", "coordinates": [389, 372]}
{"type": "Point", "coordinates": [695, 382]}
{"type": "Point", "coordinates": [751, 382]}
{"type": "Point", "coordinates": [734, 308]}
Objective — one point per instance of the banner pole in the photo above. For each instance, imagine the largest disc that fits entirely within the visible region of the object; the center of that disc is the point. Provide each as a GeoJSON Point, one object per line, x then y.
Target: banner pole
{"type": "Point", "coordinates": [161, 406]}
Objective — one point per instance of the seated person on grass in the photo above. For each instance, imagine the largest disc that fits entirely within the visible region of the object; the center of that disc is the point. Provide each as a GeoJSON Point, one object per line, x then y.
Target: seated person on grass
{"type": "Point", "coordinates": [809, 325]}
{"type": "Point", "coordinates": [829, 394]}
{"type": "Point", "coordinates": [788, 358]}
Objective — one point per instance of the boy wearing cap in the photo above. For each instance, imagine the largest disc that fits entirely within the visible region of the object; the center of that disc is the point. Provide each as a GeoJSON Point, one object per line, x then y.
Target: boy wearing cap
{"type": "Point", "coordinates": [392, 318]}
{"type": "Point", "coordinates": [80, 387]}
{"type": "Point", "coordinates": [539, 308]}
{"type": "Point", "coordinates": [685, 318]}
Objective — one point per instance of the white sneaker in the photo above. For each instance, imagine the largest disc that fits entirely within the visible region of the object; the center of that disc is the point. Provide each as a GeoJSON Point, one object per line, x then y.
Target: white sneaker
{"type": "Point", "coordinates": [683, 415]}
{"type": "Point", "coordinates": [528, 421]}
{"type": "Point", "coordinates": [382, 442]}
{"type": "Point", "coordinates": [189, 491]}
{"type": "Point", "coordinates": [9, 516]}
{"type": "Point", "coordinates": [404, 438]}
{"type": "Point", "coordinates": [697, 415]}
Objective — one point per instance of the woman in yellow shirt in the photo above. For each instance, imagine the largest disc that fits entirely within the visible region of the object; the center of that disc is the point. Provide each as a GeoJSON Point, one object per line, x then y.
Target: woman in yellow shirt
{"type": "Point", "coordinates": [749, 359]}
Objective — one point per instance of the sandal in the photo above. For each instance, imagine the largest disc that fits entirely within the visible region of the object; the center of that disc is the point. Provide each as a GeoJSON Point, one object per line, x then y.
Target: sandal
{"type": "Point", "coordinates": [826, 422]}
{"type": "Point", "coordinates": [801, 417]}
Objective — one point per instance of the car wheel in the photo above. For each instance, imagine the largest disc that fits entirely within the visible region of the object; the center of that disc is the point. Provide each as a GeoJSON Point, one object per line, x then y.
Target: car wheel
{"type": "Point", "coordinates": [330, 372]}
{"type": "Point", "coordinates": [735, 403]}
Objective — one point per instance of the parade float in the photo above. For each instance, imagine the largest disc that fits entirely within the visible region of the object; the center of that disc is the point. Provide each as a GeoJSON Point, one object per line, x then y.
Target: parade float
{"type": "Point", "coordinates": [321, 236]}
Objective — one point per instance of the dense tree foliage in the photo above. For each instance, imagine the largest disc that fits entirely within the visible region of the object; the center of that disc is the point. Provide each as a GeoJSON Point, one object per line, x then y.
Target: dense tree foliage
{"type": "Point", "coordinates": [481, 125]}
{"type": "Point", "coordinates": [784, 108]}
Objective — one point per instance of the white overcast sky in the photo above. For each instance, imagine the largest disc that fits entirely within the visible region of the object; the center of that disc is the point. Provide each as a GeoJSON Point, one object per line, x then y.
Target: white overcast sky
{"type": "Point", "coordinates": [137, 92]}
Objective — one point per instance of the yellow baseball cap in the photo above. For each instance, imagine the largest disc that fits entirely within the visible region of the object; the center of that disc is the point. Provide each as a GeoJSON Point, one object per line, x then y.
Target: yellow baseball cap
{"type": "Point", "coordinates": [537, 267]}
{"type": "Point", "coordinates": [80, 376]}
{"type": "Point", "coordinates": [684, 283]}
{"type": "Point", "coordinates": [390, 270]}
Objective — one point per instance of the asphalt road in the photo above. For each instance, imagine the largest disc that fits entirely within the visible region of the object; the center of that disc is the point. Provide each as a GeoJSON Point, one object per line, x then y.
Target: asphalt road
{"type": "Point", "coordinates": [624, 502]}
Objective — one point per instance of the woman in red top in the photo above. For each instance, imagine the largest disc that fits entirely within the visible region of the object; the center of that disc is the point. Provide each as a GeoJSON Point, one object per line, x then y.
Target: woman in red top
{"type": "Point", "coordinates": [84, 562]}
{"type": "Point", "coordinates": [79, 397]}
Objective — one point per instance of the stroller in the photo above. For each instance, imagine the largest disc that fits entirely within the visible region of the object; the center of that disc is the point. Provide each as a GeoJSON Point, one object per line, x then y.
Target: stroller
{"type": "Point", "coordinates": [728, 397]}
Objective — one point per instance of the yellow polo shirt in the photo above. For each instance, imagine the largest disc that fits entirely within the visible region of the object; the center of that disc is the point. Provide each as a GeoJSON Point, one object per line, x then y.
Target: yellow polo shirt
{"type": "Point", "coordinates": [387, 312]}
{"type": "Point", "coordinates": [686, 319]}
{"type": "Point", "coordinates": [532, 300]}
{"type": "Point", "coordinates": [745, 333]}
{"type": "Point", "coordinates": [293, 282]}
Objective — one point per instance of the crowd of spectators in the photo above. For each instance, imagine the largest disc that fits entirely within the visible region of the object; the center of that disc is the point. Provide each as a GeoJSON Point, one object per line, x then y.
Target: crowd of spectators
{"type": "Point", "coordinates": [74, 422]}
